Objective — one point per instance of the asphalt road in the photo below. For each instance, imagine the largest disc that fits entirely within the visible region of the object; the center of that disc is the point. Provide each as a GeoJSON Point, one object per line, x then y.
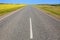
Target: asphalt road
{"type": "Point", "coordinates": [29, 23]}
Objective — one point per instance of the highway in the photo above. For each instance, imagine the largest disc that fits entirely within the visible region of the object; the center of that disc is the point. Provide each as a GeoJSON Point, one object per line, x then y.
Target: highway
{"type": "Point", "coordinates": [29, 23]}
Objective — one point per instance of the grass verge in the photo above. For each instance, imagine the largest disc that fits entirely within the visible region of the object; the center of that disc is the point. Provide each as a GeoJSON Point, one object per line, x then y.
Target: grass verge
{"type": "Point", "coordinates": [53, 10]}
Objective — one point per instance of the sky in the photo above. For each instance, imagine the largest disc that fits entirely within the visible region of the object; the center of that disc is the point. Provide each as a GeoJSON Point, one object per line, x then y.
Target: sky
{"type": "Point", "coordinates": [31, 1]}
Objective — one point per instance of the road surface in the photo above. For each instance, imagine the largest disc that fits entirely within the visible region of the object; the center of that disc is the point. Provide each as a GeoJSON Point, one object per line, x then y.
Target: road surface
{"type": "Point", "coordinates": [29, 23]}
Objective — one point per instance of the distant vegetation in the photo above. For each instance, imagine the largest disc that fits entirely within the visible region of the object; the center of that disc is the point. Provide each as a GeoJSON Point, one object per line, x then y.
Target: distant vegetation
{"type": "Point", "coordinates": [6, 8]}
{"type": "Point", "coordinates": [50, 4]}
{"type": "Point", "coordinates": [55, 5]}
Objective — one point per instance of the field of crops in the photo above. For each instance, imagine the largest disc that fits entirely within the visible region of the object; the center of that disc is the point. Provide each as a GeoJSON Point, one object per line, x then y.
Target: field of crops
{"type": "Point", "coordinates": [6, 8]}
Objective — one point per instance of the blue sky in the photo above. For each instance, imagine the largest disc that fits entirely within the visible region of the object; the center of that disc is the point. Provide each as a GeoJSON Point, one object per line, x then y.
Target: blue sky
{"type": "Point", "coordinates": [31, 1]}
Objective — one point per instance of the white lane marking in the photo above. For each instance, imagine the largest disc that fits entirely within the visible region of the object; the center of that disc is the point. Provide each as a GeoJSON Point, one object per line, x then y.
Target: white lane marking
{"type": "Point", "coordinates": [31, 32]}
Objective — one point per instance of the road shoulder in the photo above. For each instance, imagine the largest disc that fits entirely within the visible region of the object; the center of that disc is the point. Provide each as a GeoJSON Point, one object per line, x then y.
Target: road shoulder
{"type": "Point", "coordinates": [10, 13]}
{"type": "Point", "coordinates": [54, 16]}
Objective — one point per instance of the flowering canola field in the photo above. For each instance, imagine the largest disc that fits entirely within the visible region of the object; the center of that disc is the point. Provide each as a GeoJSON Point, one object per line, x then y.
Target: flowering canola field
{"type": "Point", "coordinates": [6, 8]}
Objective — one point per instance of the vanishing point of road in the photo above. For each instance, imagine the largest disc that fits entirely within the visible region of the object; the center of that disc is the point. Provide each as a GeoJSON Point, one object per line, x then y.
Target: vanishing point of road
{"type": "Point", "coordinates": [29, 23]}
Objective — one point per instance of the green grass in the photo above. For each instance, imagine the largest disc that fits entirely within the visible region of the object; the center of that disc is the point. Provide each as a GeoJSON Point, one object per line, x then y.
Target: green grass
{"type": "Point", "coordinates": [50, 10]}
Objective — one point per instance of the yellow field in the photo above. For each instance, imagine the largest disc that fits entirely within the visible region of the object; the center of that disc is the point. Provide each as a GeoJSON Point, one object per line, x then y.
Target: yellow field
{"type": "Point", "coordinates": [5, 8]}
